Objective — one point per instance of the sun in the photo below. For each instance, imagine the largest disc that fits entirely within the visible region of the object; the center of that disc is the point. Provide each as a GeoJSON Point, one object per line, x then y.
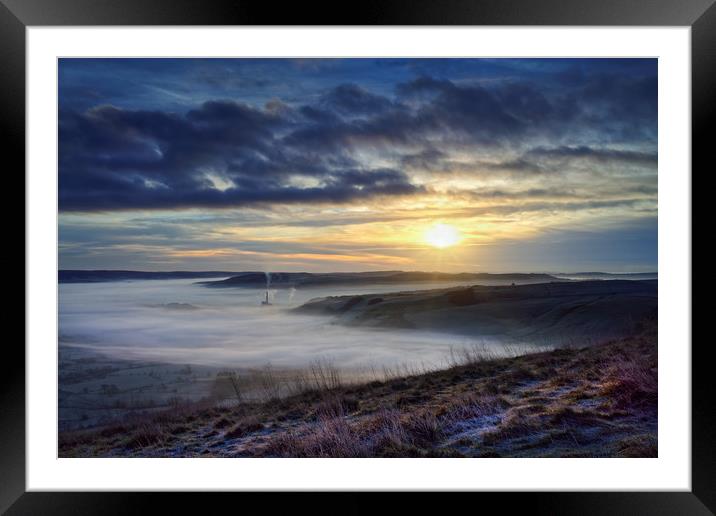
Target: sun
{"type": "Point", "coordinates": [442, 235]}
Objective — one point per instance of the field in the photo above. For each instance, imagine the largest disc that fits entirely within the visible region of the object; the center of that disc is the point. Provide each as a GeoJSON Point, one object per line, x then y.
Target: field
{"type": "Point", "coordinates": [594, 401]}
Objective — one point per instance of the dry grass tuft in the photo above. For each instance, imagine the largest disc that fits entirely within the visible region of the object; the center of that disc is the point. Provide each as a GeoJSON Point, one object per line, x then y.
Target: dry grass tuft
{"type": "Point", "coordinates": [149, 434]}
{"type": "Point", "coordinates": [330, 437]}
{"type": "Point", "coordinates": [630, 383]}
{"type": "Point", "coordinates": [644, 445]}
{"type": "Point", "coordinates": [245, 427]}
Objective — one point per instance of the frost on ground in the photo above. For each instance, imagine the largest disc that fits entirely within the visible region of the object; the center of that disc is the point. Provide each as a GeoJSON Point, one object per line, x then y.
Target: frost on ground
{"type": "Point", "coordinates": [596, 401]}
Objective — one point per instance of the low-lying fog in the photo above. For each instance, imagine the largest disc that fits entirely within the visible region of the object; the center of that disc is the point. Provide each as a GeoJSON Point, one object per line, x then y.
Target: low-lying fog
{"type": "Point", "coordinates": [133, 346]}
{"type": "Point", "coordinates": [181, 322]}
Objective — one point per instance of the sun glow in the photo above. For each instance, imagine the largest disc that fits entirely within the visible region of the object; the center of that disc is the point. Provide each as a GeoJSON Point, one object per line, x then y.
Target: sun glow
{"type": "Point", "coordinates": [442, 236]}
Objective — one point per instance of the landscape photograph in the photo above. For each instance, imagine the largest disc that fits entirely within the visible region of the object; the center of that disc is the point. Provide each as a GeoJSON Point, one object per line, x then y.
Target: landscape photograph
{"type": "Point", "coordinates": [357, 257]}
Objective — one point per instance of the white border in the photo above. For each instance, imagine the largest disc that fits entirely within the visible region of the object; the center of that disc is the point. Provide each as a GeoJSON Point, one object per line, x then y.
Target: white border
{"type": "Point", "coordinates": [670, 471]}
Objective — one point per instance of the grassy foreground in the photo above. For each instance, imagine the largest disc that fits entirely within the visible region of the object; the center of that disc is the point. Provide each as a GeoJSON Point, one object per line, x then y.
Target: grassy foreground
{"type": "Point", "coordinates": [598, 401]}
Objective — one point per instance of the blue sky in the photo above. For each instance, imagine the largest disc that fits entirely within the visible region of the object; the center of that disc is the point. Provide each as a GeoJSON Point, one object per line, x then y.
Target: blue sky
{"type": "Point", "coordinates": [328, 164]}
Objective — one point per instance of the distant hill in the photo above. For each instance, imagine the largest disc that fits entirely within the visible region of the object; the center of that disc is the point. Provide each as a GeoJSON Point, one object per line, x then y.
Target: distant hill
{"type": "Point", "coordinates": [614, 273]}
{"type": "Point", "coordinates": [307, 279]}
{"type": "Point", "coordinates": [599, 309]}
{"type": "Point", "coordinates": [257, 279]}
{"type": "Point", "coordinates": [608, 275]}
{"type": "Point", "coordinates": [83, 276]}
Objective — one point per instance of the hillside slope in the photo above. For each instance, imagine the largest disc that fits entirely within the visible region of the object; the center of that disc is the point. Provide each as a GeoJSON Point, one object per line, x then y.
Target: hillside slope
{"type": "Point", "coordinates": [598, 401]}
{"type": "Point", "coordinates": [602, 309]}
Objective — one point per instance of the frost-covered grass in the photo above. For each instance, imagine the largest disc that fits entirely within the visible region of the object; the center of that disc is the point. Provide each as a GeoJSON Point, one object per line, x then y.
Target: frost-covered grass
{"type": "Point", "coordinates": [595, 401]}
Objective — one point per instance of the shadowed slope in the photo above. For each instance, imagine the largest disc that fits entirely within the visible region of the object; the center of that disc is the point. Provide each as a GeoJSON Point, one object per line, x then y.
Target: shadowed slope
{"type": "Point", "coordinates": [597, 308]}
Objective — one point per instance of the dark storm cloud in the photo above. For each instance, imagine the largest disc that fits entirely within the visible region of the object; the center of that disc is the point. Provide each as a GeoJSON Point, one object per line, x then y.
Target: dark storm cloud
{"type": "Point", "coordinates": [433, 110]}
{"type": "Point", "coordinates": [506, 114]}
{"type": "Point", "coordinates": [597, 155]}
{"type": "Point", "coordinates": [561, 160]}
{"type": "Point", "coordinates": [312, 147]}
{"type": "Point", "coordinates": [536, 161]}
{"type": "Point", "coordinates": [473, 110]}
{"type": "Point", "coordinates": [606, 106]}
{"type": "Point", "coordinates": [351, 99]}
{"type": "Point", "coordinates": [427, 159]}
{"type": "Point", "coordinates": [118, 159]}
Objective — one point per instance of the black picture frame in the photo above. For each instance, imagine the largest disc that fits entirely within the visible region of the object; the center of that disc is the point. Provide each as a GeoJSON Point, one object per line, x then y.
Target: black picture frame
{"type": "Point", "coordinates": [17, 15]}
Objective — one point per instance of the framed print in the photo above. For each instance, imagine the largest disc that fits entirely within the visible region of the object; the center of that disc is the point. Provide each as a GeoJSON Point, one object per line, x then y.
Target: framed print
{"type": "Point", "coordinates": [416, 249]}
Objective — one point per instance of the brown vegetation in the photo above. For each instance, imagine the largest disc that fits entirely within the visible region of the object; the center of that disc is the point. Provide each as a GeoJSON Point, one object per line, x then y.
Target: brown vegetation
{"type": "Point", "coordinates": [596, 401]}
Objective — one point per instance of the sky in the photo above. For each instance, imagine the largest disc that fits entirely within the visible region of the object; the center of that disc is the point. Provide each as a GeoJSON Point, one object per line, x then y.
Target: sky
{"type": "Point", "coordinates": [517, 165]}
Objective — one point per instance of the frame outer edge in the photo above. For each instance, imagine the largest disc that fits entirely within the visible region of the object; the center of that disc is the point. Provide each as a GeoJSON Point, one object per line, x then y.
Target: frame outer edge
{"type": "Point", "coordinates": [12, 125]}
{"type": "Point", "coordinates": [371, 12]}
{"type": "Point", "coordinates": [703, 113]}
{"type": "Point", "coordinates": [12, 379]}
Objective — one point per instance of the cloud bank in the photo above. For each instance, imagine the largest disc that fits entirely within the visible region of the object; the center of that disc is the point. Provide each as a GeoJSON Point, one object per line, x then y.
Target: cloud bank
{"type": "Point", "coordinates": [281, 163]}
{"type": "Point", "coordinates": [346, 143]}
